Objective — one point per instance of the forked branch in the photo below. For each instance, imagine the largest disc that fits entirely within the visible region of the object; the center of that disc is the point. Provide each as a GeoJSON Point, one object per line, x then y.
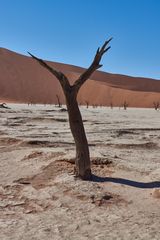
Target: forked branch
{"type": "Point", "coordinates": [59, 75]}
{"type": "Point", "coordinates": [83, 77]}
{"type": "Point", "coordinates": [93, 67]}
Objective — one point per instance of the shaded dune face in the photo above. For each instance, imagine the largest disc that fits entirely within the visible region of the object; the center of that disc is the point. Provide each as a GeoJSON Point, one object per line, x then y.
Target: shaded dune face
{"type": "Point", "coordinates": [23, 80]}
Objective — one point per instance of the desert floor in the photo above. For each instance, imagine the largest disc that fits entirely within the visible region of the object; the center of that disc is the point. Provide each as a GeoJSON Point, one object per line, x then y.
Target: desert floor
{"type": "Point", "coordinates": [41, 199]}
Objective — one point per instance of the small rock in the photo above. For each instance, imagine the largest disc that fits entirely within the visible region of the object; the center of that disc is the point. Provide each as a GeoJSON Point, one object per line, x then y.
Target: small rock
{"type": "Point", "coordinates": [47, 229]}
{"type": "Point", "coordinates": [156, 193]}
{"type": "Point", "coordinates": [92, 197]}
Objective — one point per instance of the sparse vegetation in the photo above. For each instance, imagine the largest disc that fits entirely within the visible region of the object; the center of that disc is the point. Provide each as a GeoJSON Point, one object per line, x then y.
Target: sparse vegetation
{"type": "Point", "coordinates": [3, 105]}
{"type": "Point", "coordinates": [59, 102]}
{"type": "Point", "coordinates": [156, 105]}
{"type": "Point", "coordinates": [125, 105]}
{"type": "Point", "coordinates": [87, 104]}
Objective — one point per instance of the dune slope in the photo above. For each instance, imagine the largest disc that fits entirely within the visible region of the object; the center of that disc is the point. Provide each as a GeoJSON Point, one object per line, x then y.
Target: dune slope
{"type": "Point", "coordinates": [23, 80]}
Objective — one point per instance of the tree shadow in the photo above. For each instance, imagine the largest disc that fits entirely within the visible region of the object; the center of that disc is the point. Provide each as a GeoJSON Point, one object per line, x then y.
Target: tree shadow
{"type": "Point", "coordinates": [155, 184]}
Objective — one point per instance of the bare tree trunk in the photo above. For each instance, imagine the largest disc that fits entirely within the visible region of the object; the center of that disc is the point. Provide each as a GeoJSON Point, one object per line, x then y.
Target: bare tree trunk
{"type": "Point", "coordinates": [82, 162]}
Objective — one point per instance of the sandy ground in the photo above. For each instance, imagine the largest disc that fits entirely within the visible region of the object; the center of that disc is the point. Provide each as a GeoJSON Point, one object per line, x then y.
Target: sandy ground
{"type": "Point", "coordinates": [39, 197]}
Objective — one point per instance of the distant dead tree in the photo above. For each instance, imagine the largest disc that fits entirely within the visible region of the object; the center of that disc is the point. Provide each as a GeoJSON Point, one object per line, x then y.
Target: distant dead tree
{"type": "Point", "coordinates": [58, 100]}
{"type": "Point", "coordinates": [125, 105]}
{"type": "Point", "coordinates": [82, 161]}
{"type": "Point", "coordinates": [3, 105]}
{"type": "Point", "coordinates": [94, 105]}
{"type": "Point", "coordinates": [156, 105]}
{"type": "Point", "coordinates": [87, 104]}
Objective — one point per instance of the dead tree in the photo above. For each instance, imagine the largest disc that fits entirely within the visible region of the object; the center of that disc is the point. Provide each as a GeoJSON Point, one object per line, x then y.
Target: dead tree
{"type": "Point", "coordinates": [87, 104]}
{"type": "Point", "coordinates": [82, 161]}
{"type": "Point", "coordinates": [58, 100]}
{"type": "Point", "coordinates": [3, 105]}
{"type": "Point", "coordinates": [125, 105]}
{"type": "Point", "coordinates": [156, 105]}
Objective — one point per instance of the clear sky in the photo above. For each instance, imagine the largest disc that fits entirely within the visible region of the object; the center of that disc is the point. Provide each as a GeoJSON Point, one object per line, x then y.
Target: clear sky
{"type": "Point", "coordinates": [70, 31]}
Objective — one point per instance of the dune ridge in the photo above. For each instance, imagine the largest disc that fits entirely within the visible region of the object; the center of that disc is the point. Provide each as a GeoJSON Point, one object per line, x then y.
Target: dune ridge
{"type": "Point", "coordinates": [22, 80]}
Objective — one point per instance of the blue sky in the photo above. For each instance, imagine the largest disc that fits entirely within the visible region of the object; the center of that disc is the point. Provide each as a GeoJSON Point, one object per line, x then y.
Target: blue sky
{"type": "Point", "coordinates": [70, 31]}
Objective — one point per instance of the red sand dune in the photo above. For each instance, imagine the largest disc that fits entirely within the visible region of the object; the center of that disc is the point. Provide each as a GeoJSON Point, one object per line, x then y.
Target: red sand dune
{"type": "Point", "coordinates": [23, 80]}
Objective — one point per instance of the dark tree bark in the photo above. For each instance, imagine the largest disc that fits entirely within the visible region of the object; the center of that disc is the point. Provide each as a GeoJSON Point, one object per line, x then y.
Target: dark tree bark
{"type": "Point", "coordinates": [82, 162]}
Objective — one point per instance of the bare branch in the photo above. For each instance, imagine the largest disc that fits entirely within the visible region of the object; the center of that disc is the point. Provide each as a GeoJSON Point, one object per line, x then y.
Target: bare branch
{"type": "Point", "coordinates": [59, 75]}
{"type": "Point", "coordinates": [93, 67]}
